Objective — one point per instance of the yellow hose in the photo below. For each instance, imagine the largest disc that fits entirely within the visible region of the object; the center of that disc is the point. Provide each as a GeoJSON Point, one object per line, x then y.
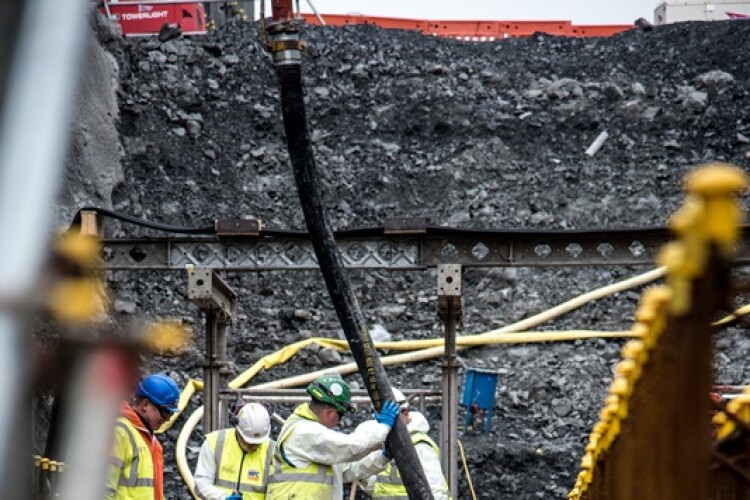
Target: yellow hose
{"type": "Point", "coordinates": [737, 314]}
{"type": "Point", "coordinates": [181, 444]}
{"type": "Point", "coordinates": [466, 469]}
{"type": "Point", "coordinates": [435, 349]}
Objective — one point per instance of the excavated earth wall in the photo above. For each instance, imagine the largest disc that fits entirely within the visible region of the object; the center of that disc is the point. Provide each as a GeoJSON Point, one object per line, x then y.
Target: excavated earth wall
{"type": "Point", "coordinates": [476, 135]}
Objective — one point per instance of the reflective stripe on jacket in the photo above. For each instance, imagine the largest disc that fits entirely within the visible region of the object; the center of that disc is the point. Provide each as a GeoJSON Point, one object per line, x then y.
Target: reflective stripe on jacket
{"type": "Point", "coordinates": [237, 470]}
{"type": "Point", "coordinates": [135, 471]}
{"type": "Point", "coordinates": [314, 482]}
{"type": "Point", "coordinates": [388, 484]}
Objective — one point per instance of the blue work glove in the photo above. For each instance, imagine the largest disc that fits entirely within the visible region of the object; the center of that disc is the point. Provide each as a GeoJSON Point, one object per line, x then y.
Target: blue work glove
{"type": "Point", "coordinates": [234, 496]}
{"type": "Point", "coordinates": [388, 413]}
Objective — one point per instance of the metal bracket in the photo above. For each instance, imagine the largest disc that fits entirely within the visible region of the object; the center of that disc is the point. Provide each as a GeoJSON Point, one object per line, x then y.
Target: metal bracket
{"type": "Point", "coordinates": [208, 291]}
{"type": "Point", "coordinates": [238, 227]}
{"type": "Point", "coordinates": [449, 292]}
{"type": "Point", "coordinates": [405, 225]}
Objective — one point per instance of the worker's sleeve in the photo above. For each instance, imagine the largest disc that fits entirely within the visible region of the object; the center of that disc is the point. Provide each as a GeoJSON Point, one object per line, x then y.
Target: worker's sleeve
{"type": "Point", "coordinates": [205, 475]}
{"type": "Point", "coordinates": [318, 444]}
{"type": "Point", "coordinates": [121, 455]}
{"type": "Point", "coordinates": [432, 471]}
{"type": "Point", "coordinates": [371, 464]}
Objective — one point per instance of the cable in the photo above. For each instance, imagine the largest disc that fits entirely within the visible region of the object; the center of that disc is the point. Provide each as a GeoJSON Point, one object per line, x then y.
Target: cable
{"type": "Point", "coordinates": [141, 222]}
{"type": "Point", "coordinates": [466, 469]}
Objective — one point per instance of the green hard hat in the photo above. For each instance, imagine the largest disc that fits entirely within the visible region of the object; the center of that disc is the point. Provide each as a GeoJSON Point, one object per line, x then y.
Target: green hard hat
{"type": "Point", "coordinates": [333, 391]}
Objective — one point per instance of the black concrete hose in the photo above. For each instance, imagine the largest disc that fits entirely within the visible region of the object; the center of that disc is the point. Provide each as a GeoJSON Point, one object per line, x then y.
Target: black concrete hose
{"type": "Point", "coordinates": [337, 282]}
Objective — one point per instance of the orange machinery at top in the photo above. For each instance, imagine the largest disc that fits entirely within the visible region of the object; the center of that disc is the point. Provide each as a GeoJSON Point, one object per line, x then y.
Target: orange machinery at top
{"type": "Point", "coordinates": [475, 30]}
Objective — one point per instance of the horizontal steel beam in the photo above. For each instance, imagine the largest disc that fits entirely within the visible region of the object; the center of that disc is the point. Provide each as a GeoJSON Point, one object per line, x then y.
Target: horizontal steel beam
{"type": "Point", "coordinates": [469, 248]}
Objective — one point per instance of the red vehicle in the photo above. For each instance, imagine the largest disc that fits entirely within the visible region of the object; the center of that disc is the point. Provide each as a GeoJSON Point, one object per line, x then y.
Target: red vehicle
{"type": "Point", "coordinates": [143, 18]}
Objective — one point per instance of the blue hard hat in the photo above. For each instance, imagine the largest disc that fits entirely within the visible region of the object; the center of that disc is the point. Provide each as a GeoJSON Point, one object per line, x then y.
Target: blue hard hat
{"type": "Point", "coordinates": [160, 390]}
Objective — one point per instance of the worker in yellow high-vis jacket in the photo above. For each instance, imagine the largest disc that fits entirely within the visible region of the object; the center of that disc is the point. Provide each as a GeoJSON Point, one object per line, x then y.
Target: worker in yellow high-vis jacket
{"type": "Point", "coordinates": [388, 484]}
{"type": "Point", "coordinates": [136, 470]}
{"type": "Point", "coordinates": [312, 460]}
{"type": "Point", "coordinates": [233, 463]}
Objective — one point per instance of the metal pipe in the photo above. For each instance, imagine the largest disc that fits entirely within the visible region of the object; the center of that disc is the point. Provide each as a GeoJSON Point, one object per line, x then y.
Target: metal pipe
{"type": "Point", "coordinates": [356, 400]}
{"type": "Point", "coordinates": [450, 409]}
{"type": "Point", "coordinates": [302, 392]}
{"type": "Point", "coordinates": [315, 11]}
{"type": "Point", "coordinates": [34, 118]}
{"type": "Point", "coordinates": [211, 373]}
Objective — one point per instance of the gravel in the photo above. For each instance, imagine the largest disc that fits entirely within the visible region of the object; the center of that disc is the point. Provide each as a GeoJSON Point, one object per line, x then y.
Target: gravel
{"type": "Point", "coordinates": [476, 135]}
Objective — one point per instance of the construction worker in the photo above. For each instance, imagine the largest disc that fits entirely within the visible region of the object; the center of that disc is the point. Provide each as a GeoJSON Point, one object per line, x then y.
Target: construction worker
{"type": "Point", "coordinates": [233, 463]}
{"type": "Point", "coordinates": [137, 463]}
{"type": "Point", "coordinates": [312, 460]}
{"type": "Point", "coordinates": [388, 483]}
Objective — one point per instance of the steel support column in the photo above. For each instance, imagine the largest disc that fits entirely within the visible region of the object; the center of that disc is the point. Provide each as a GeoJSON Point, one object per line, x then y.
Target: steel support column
{"type": "Point", "coordinates": [212, 372]}
{"type": "Point", "coordinates": [218, 302]}
{"type": "Point", "coordinates": [450, 312]}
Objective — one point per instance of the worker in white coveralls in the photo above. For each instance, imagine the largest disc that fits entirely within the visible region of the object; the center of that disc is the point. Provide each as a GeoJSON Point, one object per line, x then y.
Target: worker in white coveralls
{"type": "Point", "coordinates": [233, 463]}
{"type": "Point", "coordinates": [388, 484]}
{"type": "Point", "coordinates": [312, 461]}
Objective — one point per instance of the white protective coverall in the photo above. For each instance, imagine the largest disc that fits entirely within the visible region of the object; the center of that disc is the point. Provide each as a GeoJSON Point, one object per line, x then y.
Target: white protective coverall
{"type": "Point", "coordinates": [206, 473]}
{"type": "Point", "coordinates": [350, 455]}
{"type": "Point", "coordinates": [427, 456]}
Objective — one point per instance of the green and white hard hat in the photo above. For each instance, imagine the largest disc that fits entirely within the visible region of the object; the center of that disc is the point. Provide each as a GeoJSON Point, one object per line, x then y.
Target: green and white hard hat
{"type": "Point", "coordinates": [333, 391]}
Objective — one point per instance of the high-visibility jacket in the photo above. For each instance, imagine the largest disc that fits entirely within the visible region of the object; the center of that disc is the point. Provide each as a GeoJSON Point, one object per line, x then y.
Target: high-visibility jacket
{"type": "Point", "coordinates": [314, 481]}
{"type": "Point", "coordinates": [311, 461]}
{"type": "Point", "coordinates": [137, 461]}
{"type": "Point", "coordinates": [224, 467]}
{"type": "Point", "coordinates": [389, 485]}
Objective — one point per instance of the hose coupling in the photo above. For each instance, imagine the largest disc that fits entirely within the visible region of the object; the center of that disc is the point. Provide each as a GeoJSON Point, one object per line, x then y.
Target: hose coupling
{"type": "Point", "coordinates": [284, 43]}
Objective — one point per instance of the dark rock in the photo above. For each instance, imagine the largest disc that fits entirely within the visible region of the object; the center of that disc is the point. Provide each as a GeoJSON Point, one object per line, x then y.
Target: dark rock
{"type": "Point", "coordinates": [478, 135]}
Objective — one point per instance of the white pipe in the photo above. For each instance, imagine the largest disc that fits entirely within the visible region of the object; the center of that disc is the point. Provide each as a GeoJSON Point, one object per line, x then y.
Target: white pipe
{"type": "Point", "coordinates": [597, 144]}
{"type": "Point", "coordinates": [315, 11]}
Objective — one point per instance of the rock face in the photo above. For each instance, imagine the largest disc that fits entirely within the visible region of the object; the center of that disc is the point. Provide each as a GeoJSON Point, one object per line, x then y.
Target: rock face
{"type": "Point", "coordinates": [93, 163]}
{"type": "Point", "coordinates": [468, 134]}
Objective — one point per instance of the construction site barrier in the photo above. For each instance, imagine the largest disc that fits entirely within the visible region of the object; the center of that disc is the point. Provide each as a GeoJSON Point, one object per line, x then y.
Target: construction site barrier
{"type": "Point", "coordinates": [473, 30]}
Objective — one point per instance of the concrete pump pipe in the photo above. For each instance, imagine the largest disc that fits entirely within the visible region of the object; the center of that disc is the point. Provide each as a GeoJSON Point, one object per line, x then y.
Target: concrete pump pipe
{"type": "Point", "coordinates": [286, 50]}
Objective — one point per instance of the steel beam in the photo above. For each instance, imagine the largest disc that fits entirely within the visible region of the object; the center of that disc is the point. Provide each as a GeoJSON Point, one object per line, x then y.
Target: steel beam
{"type": "Point", "coordinates": [469, 248]}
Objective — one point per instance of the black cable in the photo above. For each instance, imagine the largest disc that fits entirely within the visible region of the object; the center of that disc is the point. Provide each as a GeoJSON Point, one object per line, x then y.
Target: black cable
{"type": "Point", "coordinates": [140, 222]}
{"type": "Point", "coordinates": [430, 230]}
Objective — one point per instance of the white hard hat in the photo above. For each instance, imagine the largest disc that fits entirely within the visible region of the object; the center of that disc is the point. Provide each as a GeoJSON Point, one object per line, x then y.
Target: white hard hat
{"type": "Point", "coordinates": [403, 403]}
{"type": "Point", "coordinates": [253, 423]}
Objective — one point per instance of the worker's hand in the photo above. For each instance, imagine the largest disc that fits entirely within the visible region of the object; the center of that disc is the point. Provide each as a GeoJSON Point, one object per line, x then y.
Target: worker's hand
{"type": "Point", "coordinates": [234, 496]}
{"type": "Point", "coordinates": [388, 413]}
